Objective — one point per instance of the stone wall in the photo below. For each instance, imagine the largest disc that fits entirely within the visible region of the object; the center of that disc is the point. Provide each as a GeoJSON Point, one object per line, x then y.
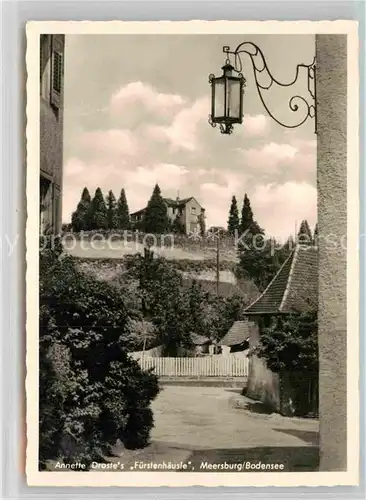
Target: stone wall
{"type": "Point", "coordinates": [331, 88]}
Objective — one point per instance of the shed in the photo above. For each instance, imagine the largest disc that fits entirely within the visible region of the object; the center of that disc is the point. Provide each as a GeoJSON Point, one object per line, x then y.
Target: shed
{"type": "Point", "coordinates": [293, 290]}
{"type": "Point", "coordinates": [237, 338]}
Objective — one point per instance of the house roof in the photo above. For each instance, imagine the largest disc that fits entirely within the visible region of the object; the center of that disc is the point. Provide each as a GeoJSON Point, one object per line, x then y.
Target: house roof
{"type": "Point", "coordinates": [177, 203]}
{"type": "Point", "coordinates": [295, 286]}
{"type": "Point", "coordinates": [141, 211]}
{"type": "Point", "coordinates": [199, 339]}
{"type": "Point", "coordinates": [170, 202]}
{"type": "Point", "coordinates": [238, 333]}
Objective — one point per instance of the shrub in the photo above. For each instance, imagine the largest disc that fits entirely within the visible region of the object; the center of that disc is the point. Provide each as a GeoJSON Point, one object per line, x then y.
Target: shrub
{"type": "Point", "coordinates": [90, 388]}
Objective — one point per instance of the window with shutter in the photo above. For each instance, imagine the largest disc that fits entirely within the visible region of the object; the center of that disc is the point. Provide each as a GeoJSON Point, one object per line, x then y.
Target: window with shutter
{"type": "Point", "coordinates": [56, 79]}
{"type": "Point", "coordinates": [57, 72]}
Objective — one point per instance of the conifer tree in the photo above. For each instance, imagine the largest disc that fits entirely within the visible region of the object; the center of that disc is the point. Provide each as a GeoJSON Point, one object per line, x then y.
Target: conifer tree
{"type": "Point", "coordinates": [247, 222]}
{"type": "Point", "coordinates": [80, 218]}
{"type": "Point", "coordinates": [156, 218]}
{"type": "Point", "coordinates": [233, 222]}
{"type": "Point", "coordinates": [304, 235]}
{"type": "Point", "coordinates": [111, 210]}
{"type": "Point", "coordinates": [246, 215]}
{"type": "Point", "coordinates": [98, 211]}
{"type": "Point", "coordinates": [123, 214]}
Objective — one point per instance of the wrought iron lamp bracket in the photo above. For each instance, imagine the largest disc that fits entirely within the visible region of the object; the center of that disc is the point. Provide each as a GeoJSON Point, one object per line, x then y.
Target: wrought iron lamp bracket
{"type": "Point", "coordinates": [304, 106]}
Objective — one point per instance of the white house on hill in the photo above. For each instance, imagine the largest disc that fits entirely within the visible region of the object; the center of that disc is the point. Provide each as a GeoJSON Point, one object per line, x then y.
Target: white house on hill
{"type": "Point", "coordinates": [187, 211]}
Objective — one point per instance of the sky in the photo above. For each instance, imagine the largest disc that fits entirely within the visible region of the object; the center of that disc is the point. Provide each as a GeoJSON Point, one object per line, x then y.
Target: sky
{"type": "Point", "coordinates": [136, 114]}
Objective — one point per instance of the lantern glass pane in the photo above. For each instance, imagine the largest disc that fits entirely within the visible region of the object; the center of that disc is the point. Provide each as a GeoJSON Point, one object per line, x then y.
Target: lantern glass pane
{"type": "Point", "coordinates": [219, 98]}
{"type": "Point", "coordinates": [234, 99]}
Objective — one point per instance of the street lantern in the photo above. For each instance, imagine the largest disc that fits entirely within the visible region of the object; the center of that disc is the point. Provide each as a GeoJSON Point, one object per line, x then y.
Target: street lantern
{"type": "Point", "coordinates": [226, 99]}
{"type": "Point", "coordinates": [227, 90]}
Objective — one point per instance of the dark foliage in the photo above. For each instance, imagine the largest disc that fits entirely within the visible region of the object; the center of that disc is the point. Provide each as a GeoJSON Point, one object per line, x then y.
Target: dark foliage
{"type": "Point", "coordinates": [260, 258]}
{"type": "Point", "coordinates": [98, 211]}
{"type": "Point", "coordinates": [156, 219]}
{"type": "Point", "coordinates": [178, 226]}
{"type": "Point", "coordinates": [80, 218]}
{"type": "Point", "coordinates": [289, 346]}
{"type": "Point", "coordinates": [290, 343]}
{"type": "Point", "coordinates": [90, 389]}
{"type": "Point", "coordinates": [233, 222]}
{"type": "Point", "coordinates": [247, 222]}
{"type": "Point", "coordinates": [163, 301]}
{"type": "Point", "coordinates": [123, 214]}
{"type": "Point", "coordinates": [112, 211]}
{"type": "Point", "coordinates": [304, 236]}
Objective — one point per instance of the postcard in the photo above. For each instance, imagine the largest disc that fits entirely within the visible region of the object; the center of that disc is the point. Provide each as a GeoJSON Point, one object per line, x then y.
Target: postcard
{"type": "Point", "coordinates": [192, 253]}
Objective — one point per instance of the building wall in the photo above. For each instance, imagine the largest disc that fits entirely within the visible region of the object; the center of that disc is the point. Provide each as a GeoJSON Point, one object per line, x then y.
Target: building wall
{"type": "Point", "coordinates": [192, 211]}
{"type": "Point", "coordinates": [263, 384]}
{"type": "Point", "coordinates": [51, 133]}
{"type": "Point", "coordinates": [331, 88]}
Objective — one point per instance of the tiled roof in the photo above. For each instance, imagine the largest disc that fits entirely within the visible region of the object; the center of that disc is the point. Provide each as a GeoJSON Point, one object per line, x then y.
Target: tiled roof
{"type": "Point", "coordinates": [295, 286]}
{"type": "Point", "coordinates": [238, 333]}
{"type": "Point", "coordinates": [141, 211]}
{"type": "Point", "coordinates": [170, 202]}
{"type": "Point", "coordinates": [199, 339]}
{"type": "Point", "coordinates": [177, 203]}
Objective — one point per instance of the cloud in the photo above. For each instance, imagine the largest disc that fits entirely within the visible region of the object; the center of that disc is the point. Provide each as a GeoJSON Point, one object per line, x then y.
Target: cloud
{"type": "Point", "coordinates": [73, 167]}
{"type": "Point", "coordinates": [109, 144]}
{"type": "Point", "coordinates": [269, 157]}
{"type": "Point", "coordinates": [255, 125]}
{"type": "Point", "coordinates": [168, 176]}
{"type": "Point", "coordinates": [141, 93]}
{"type": "Point", "coordinates": [279, 208]}
{"type": "Point", "coordinates": [295, 160]}
{"type": "Point", "coordinates": [215, 195]}
{"type": "Point", "coordinates": [183, 133]}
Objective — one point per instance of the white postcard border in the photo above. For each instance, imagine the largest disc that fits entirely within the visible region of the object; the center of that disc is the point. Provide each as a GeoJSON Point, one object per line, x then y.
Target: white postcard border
{"type": "Point", "coordinates": [145, 479]}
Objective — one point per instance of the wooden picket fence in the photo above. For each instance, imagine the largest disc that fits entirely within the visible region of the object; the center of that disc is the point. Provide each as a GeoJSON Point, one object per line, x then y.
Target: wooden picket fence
{"type": "Point", "coordinates": [207, 366]}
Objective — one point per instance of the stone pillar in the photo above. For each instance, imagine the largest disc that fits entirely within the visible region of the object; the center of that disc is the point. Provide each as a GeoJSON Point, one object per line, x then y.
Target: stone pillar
{"type": "Point", "coordinates": [331, 89]}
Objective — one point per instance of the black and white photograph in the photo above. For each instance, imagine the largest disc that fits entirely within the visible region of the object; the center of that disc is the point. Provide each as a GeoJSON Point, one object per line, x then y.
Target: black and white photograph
{"type": "Point", "coordinates": [190, 318]}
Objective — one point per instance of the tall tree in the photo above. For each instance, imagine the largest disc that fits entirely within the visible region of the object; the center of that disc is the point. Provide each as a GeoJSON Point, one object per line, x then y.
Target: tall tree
{"type": "Point", "coordinates": [304, 235]}
{"type": "Point", "coordinates": [98, 211]}
{"type": "Point", "coordinates": [111, 210]}
{"type": "Point", "coordinates": [233, 222]}
{"type": "Point", "coordinates": [164, 302]}
{"type": "Point", "coordinates": [123, 214]}
{"type": "Point", "coordinates": [156, 218]}
{"type": "Point", "coordinates": [247, 222]}
{"type": "Point", "coordinates": [80, 218]}
{"type": "Point", "coordinates": [246, 215]}
{"type": "Point", "coordinates": [196, 317]}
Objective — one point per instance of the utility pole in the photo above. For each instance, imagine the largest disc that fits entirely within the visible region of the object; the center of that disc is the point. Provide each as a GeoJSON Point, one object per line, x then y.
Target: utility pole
{"type": "Point", "coordinates": [217, 262]}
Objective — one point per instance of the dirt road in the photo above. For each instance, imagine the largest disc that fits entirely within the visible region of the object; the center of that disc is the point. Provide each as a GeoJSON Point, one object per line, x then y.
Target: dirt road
{"type": "Point", "coordinates": [209, 424]}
